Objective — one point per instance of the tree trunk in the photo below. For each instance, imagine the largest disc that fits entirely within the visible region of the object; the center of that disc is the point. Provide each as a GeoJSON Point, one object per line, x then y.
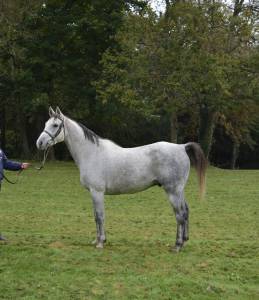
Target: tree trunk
{"type": "Point", "coordinates": [173, 127]}
{"type": "Point", "coordinates": [235, 153]}
{"type": "Point", "coordinates": [206, 130]}
{"type": "Point", "coordinates": [2, 128]}
{"type": "Point", "coordinates": [25, 143]}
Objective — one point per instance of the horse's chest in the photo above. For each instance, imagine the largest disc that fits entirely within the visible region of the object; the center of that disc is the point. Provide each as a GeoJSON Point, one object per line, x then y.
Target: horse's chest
{"type": "Point", "coordinates": [92, 179]}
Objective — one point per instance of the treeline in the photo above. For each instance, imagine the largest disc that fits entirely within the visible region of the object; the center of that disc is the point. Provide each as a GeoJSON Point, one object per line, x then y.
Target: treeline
{"type": "Point", "coordinates": [133, 75]}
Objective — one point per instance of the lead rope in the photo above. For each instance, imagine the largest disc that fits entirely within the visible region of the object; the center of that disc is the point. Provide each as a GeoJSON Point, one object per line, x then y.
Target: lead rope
{"type": "Point", "coordinates": [10, 181]}
{"type": "Point", "coordinates": [46, 152]}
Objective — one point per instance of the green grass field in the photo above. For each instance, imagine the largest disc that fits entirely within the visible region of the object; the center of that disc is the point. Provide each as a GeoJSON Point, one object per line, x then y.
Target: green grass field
{"type": "Point", "coordinates": [47, 218]}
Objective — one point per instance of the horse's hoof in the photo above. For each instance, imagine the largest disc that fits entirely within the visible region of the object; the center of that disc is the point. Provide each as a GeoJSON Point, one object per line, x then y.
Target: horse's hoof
{"type": "Point", "coordinates": [176, 248]}
{"type": "Point", "coordinates": [2, 238]}
{"type": "Point", "coordinates": [99, 245]}
{"type": "Point", "coordinates": [94, 242]}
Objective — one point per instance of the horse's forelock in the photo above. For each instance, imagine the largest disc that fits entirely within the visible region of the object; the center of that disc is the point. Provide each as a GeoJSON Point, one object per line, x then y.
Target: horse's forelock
{"type": "Point", "coordinates": [56, 116]}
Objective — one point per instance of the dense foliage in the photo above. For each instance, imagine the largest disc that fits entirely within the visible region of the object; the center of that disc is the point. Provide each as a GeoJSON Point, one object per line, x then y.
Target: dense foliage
{"type": "Point", "coordinates": [133, 75]}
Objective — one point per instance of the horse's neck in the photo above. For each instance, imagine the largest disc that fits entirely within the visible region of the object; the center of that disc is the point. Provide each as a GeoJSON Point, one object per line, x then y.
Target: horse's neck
{"type": "Point", "coordinates": [79, 147]}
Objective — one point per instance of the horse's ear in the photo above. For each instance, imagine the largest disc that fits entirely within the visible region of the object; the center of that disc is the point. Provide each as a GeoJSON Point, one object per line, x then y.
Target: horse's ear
{"type": "Point", "coordinates": [58, 111]}
{"type": "Point", "coordinates": [51, 111]}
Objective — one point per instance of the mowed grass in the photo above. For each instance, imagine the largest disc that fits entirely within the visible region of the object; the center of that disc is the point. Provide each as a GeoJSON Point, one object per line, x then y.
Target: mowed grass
{"type": "Point", "coordinates": [47, 218]}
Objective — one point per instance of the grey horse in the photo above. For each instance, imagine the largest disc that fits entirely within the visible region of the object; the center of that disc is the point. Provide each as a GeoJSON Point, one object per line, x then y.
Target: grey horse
{"type": "Point", "coordinates": [108, 169]}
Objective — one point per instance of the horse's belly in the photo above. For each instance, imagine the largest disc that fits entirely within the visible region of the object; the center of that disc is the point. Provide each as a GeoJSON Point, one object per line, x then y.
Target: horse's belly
{"type": "Point", "coordinates": [131, 173]}
{"type": "Point", "coordinates": [129, 188]}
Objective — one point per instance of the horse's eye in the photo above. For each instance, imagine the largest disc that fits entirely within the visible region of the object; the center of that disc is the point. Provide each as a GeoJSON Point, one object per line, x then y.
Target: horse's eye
{"type": "Point", "coordinates": [55, 125]}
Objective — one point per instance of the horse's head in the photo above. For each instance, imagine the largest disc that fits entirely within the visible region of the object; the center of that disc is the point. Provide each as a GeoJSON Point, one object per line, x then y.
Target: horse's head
{"type": "Point", "coordinates": [54, 131]}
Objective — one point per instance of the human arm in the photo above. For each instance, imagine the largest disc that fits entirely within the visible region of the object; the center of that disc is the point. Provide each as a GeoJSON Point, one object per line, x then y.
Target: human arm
{"type": "Point", "coordinates": [13, 165]}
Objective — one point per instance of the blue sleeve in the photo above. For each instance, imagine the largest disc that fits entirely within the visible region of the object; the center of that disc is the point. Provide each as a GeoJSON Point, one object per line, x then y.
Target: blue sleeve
{"type": "Point", "coordinates": [11, 165]}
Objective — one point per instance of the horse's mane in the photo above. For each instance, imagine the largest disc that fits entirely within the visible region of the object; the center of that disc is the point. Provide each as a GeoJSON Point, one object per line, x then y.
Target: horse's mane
{"type": "Point", "coordinates": [89, 134]}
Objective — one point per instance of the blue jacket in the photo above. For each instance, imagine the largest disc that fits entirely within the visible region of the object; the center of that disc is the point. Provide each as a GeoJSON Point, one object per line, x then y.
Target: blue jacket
{"type": "Point", "coordinates": [7, 164]}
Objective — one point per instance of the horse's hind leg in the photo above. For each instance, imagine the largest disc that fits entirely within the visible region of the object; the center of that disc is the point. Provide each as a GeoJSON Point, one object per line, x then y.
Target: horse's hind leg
{"type": "Point", "coordinates": [181, 213]}
{"type": "Point", "coordinates": [186, 223]}
{"type": "Point", "coordinates": [99, 214]}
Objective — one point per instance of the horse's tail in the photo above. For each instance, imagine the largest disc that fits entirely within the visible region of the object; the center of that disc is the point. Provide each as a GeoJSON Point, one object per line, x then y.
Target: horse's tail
{"type": "Point", "coordinates": [199, 161]}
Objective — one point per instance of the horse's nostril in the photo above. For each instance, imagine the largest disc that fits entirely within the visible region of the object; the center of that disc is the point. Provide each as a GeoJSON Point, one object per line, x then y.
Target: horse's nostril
{"type": "Point", "coordinates": [39, 144]}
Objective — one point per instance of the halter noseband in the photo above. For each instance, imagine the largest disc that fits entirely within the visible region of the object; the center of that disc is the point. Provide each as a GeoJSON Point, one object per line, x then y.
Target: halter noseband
{"type": "Point", "coordinates": [57, 132]}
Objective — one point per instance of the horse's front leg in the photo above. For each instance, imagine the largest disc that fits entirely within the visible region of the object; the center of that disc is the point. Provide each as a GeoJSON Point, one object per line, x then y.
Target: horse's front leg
{"type": "Point", "coordinates": [99, 214]}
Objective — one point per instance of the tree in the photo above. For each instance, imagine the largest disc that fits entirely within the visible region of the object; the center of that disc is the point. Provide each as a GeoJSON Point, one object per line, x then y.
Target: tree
{"type": "Point", "coordinates": [14, 77]}
{"type": "Point", "coordinates": [240, 120]}
{"type": "Point", "coordinates": [178, 64]}
{"type": "Point", "coordinates": [150, 64]}
{"type": "Point", "coordinates": [50, 52]}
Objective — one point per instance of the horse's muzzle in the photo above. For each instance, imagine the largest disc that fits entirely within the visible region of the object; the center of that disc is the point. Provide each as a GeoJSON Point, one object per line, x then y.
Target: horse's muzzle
{"type": "Point", "coordinates": [42, 143]}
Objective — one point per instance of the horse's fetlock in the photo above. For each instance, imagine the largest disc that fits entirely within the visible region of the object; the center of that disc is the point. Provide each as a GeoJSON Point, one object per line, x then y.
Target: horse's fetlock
{"type": "Point", "coordinates": [179, 243]}
{"type": "Point", "coordinates": [102, 239]}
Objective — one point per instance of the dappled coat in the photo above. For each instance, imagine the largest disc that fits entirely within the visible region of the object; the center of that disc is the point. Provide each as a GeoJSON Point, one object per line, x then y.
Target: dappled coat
{"type": "Point", "coordinates": [7, 164]}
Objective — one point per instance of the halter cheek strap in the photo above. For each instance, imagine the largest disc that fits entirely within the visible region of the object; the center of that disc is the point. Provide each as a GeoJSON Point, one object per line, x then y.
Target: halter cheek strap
{"type": "Point", "coordinates": [48, 133]}
{"type": "Point", "coordinates": [57, 132]}
{"type": "Point", "coordinates": [53, 139]}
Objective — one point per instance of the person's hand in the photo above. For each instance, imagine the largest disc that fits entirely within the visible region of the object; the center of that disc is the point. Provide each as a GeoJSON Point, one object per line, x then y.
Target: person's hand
{"type": "Point", "coordinates": [25, 165]}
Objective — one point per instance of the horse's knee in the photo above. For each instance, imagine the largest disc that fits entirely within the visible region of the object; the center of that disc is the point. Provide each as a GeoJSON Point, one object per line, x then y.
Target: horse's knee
{"type": "Point", "coordinates": [186, 215]}
{"type": "Point", "coordinates": [180, 219]}
{"type": "Point", "coordinates": [181, 216]}
{"type": "Point", "coordinates": [99, 218]}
